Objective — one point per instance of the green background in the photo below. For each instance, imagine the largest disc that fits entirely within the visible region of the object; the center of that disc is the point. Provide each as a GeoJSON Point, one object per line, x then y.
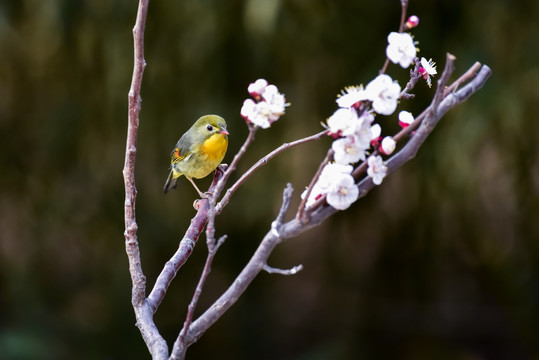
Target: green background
{"type": "Point", "coordinates": [441, 261]}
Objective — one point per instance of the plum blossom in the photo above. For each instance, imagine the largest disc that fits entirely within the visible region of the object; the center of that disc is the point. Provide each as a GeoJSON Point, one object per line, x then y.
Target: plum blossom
{"type": "Point", "coordinates": [427, 69]}
{"type": "Point", "coordinates": [256, 113]}
{"type": "Point", "coordinates": [376, 169]}
{"type": "Point", "coordinates": [384, 94]}
{"type": "Point", "coordinates": [343, 192]}
{"type": "Point", "coordinates": [268, 107]}
{"type": "Point", "coordinates": [401, 49]}
{"type": "Point", "coordinates": [337, 183]}
{"type": "Point", "coordinates": [352, 96]}
{"type": "Point", "coordinates": [276, 102]}
{"type": "Point", "coordinates": [342, 122]}
{"type": "Point", "coordinates": [348, 150]}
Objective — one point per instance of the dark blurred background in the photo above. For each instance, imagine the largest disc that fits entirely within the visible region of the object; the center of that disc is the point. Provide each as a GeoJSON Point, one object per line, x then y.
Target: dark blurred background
{"type": "Point", "coordinates": [441, 261]}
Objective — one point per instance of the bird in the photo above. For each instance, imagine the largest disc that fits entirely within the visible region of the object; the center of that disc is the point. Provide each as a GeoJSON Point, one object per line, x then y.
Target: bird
{"type": "Point", "coordinates": [199, 151]}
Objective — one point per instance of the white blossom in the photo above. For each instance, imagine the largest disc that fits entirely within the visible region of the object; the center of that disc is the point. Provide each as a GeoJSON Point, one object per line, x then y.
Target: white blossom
{"type": "Point", "coordinates": [376, 169]}
{"type": "Point", "coordinates": [401, 49]}
{"type": "Point", "coordinates": [348, 150]}
{"type": "Point", "coordinates": [276, 101]}
{"type": "Point", "coordinates": [256, 113]}
{"type": "Point", "coordinates": [351, 96]}
{"type": "Point", "coordinates": [343, 192]}
{"type": "Point", "coordinates": [257, 88]}
{"type": "Point", "coordinates": [343, 122]}
{"type": "Point", "coordinates": [363, 134]}
{"type": "Point", "coordinates": [270, 104]}
{"type": "Point", "coordinates": [384, 94]}
{"type": "Point", "coordinates": [427, 69]}
{"type": "Point", "coordinates": [429, 66]}
{"type": "Point", "coordinates": [328, 179]}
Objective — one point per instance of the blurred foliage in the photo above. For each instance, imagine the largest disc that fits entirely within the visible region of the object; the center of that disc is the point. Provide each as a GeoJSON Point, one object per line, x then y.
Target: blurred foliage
{"type": "Point", "coordinates": [441, 261]}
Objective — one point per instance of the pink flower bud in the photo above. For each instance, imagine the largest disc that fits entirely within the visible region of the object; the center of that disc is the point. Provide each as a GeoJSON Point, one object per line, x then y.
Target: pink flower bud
{"type": "Point", "coordinates": [412, 22]}
{"type": "Point", "coordinates": [405, 119]}
{"type": "Point", "coordinates": [388, 145]}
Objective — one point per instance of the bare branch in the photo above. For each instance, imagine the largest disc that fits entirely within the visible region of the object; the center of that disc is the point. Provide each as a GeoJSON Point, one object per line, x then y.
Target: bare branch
{"type": "Point", "coordinates": [278, 222]}
{"type": "Point", "coordinates": [404, 10]}
{"type": "Point", "coordinates": [186, 247]}
{"type": "Point", "coordinates": [464, 78]}
{"type": "Point", "coordinates": [179, 344]}
{"type": "Point", "coordinates": [250, 138]}
{"type": "Point", "coordinates": [414, 78]}
{"type": "Point", "coordinates": [240, 284]}
{"type": "Point", "coordinates": [154, 341]}
{"type": "Point", "coordinates": [226, 198]}
{"type": "Point", "coordinates": [300, 213]}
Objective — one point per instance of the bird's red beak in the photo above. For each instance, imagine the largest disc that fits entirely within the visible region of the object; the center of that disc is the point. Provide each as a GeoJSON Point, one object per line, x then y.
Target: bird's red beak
{"type": "Point", "coordinates": [224, 132]}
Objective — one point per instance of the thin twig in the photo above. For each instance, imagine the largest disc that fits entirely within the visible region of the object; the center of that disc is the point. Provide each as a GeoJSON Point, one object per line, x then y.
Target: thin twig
{"type": "Point", "coordinates": [404, 9]}
{"type": "Point", "coordinates": [278, 222]}
{"type": "Point", "coordinates": [464, 78]}
{"type": "Point", "coordinates": [233, 165]}
{"type": "Point", "coordinates": [263, 161]}
{"type": "Point", "coordinates": [442, 82]}
{"type": "Point", "coordinates": [301, 214]}
{"type": "Point", "coordinates": [414, 78]}
{"type": "Point", "coordinates": [180, 341]}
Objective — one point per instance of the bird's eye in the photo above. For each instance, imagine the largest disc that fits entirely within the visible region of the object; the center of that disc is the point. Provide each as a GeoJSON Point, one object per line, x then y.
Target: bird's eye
{"type": "Point", "coordinates": [209, 127]}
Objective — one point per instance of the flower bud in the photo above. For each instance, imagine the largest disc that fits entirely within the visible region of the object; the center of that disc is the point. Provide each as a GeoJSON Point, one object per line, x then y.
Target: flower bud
{"type": "Point", "coordinates": [388, 145]}
{"type": "Point", "coordinates": [405, 119]}
{"type": "Point", "coordinates": [412, 22]}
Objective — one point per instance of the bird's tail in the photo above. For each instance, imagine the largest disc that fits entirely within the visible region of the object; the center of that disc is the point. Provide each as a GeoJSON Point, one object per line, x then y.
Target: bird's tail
{"type": "Point", "coordinates": [171, 183]}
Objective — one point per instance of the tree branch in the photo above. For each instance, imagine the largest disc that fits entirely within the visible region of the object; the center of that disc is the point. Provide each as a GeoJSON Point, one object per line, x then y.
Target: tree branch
{"type": "Point", "coordinates": [154, 341]}
{"type": "Point", "coordinates": [240, 284]}
{"type": "Point", "coordinates": [226, 198]}
{"type": "Point", "coordinates": [186, 247]}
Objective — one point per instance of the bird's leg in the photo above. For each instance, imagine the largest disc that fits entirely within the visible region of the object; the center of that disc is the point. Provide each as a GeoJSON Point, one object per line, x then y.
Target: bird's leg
{"type": "Point", "coordinates": [202, 194]}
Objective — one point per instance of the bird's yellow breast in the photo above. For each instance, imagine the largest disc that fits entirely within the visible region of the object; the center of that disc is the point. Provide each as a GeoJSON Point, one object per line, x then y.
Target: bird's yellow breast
{"type": "Point", "coordinates": [214, 148]}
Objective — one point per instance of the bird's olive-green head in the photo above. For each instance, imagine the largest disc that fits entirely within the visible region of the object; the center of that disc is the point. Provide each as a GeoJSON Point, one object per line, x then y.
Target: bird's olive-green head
{"type": "Point", "coordinates": [206, 126]}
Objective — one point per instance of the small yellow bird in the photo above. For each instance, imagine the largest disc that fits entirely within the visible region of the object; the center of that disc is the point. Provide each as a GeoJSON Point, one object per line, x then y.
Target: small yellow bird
{"type": "Point", "coordinates": [199, 151]}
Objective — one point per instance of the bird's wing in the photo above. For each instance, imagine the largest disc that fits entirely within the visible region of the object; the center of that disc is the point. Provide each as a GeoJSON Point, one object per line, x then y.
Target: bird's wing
{"type": "Point", "coordinates": [181, 151]}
